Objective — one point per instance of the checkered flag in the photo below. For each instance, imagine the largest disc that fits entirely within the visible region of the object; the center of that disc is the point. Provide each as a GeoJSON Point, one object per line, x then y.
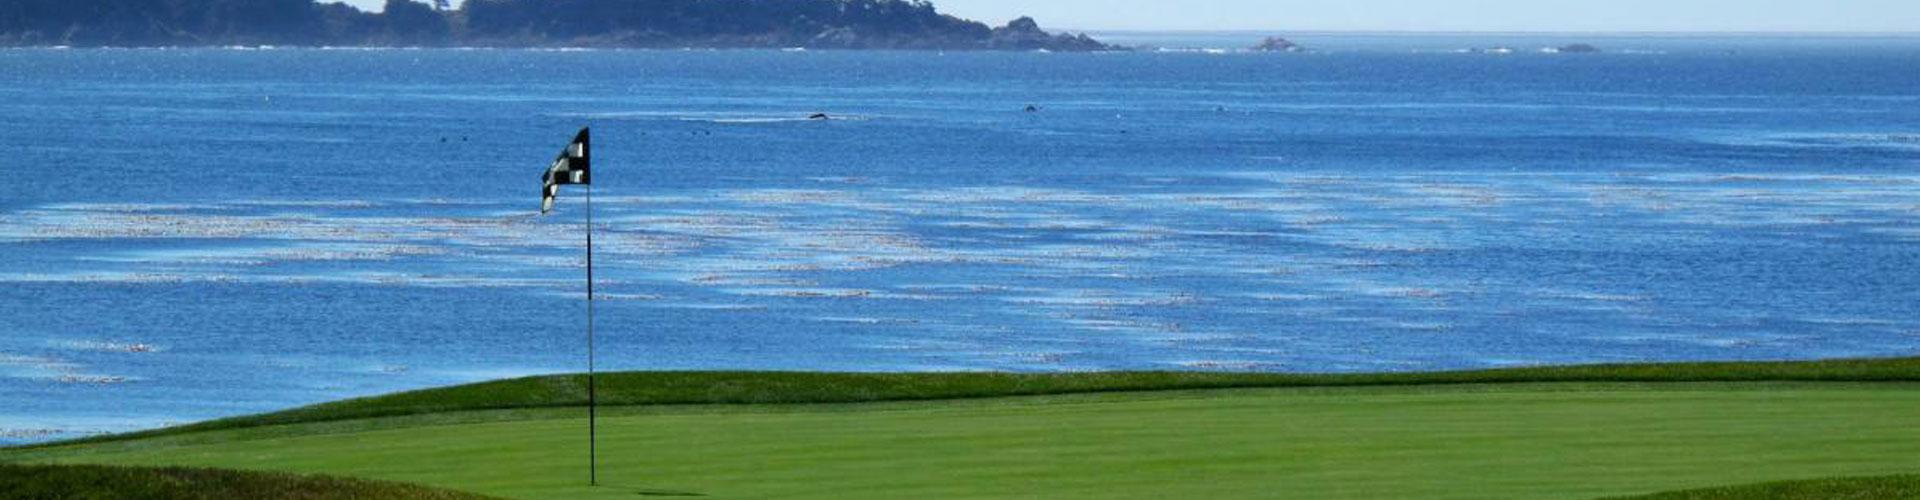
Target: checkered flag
{"type": "Point", "coordinates": [572, 167]}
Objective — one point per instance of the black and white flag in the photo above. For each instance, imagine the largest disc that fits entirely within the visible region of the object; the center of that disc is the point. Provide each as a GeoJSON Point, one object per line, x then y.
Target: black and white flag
{"type": "Point", "coordinates": [574, 166]}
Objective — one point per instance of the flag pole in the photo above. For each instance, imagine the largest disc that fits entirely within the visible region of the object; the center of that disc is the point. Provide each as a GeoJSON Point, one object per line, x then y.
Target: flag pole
{"type": "Point", "coordinates": [593, 429]}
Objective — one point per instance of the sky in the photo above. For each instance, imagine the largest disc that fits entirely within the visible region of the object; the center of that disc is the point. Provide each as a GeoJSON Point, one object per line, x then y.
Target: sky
{"type": "Point", "coordinates": [1867, 16]}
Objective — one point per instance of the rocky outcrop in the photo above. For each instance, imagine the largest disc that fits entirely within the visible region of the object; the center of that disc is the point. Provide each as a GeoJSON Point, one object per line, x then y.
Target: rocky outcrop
{"type": "Point", "coordinates": [1025, 34]}
{"type": "Point", "coordinates": [1278, 44]}
{"type": "Point", "coordinates": [1578, 48]}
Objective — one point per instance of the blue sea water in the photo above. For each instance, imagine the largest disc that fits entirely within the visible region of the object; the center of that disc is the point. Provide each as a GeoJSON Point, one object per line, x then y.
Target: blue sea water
{"type": "Point", "coordinates": [189, 234]}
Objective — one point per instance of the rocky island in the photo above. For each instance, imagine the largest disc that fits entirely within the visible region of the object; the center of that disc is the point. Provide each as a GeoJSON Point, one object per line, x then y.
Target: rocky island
{"type": "Point", "coordinates": [820, 24]}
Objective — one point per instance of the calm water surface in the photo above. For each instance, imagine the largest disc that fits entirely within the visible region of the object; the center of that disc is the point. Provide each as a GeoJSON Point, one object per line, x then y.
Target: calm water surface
{"type": "Point", "coordinates": [188, 234]}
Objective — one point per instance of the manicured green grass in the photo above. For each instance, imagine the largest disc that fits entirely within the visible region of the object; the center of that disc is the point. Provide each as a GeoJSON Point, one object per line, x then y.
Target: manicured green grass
{"type": "Point", "coordinates": [1520, 441]}
{"type": "Point", "coordinates": [1574, 433]}
{"type": "Point", "coordinates": [83, 482]}
{"type": "Point", "coordinates": [1859, 488]}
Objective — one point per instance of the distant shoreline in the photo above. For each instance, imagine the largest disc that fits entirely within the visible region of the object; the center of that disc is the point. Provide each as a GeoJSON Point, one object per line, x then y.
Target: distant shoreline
{"type": "Point", "coordinates": [1097, 32]}
{"type": "Point", "coordinates": [665, 24]}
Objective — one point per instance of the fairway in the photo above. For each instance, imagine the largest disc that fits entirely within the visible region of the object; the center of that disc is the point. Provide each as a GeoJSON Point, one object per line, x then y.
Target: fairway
{"type": "Point", "coordinates": [1536, 440]}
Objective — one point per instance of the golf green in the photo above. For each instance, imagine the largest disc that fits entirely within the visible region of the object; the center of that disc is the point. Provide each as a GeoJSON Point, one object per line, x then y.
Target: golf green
{"type": "Point", "coordinates": [1523, 440]}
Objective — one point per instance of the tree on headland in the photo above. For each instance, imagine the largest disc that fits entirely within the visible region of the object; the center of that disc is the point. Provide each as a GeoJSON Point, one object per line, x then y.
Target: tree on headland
{"type": "Point", "coordinates": [407, 22]}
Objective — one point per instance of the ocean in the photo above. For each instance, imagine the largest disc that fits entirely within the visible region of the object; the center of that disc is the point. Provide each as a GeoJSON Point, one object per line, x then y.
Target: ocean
{"type": "Point", "coordinates": [195, 233]}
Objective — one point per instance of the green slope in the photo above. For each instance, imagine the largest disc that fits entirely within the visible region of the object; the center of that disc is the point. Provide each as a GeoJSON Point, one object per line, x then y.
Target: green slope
{"type": "Point", "coordinates": [134, 483]}
{"type": "Point", "coordinates": [1504, 434]}
{"type": "Point", "coordinates": [757, 388]}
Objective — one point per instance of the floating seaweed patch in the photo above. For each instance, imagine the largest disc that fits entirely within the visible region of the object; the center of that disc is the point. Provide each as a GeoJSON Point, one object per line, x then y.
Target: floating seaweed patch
{"type": "Point", "coordinates": [31, 434]}
{"type": "Point", "coordinates": [37, 363]}
{"type": "Point", "coordinates": [1108, 299]}
{"type": "Point", "coordinates": [840, 180]}
{"type": "Point", "coordinates": [696, 306]}
{"type": "Point", "coordinates": [710, 224]}
{"type": "Point", "coordinates": [1188, 340]}
{"type": "Point", "coordinates": [868, 321]}
{"type": "Point", "coordinates": [1265, 201]}
{"type": "Point", "coordinates": [265, 256]}
{"type": "Point", "coordinates": [970, 289]}
{"type": "Point", "coordinates": [925, 345]}
{"type": "Point", "coordinates": [1310, 221]}
{"type": "Point", "coordinates": [1035, 358]}
{"type": "Point", "coordinates": [329, 204]}
{"type": "Point", "coordinates": [630, 245]}
{"type": "Point", "coordinates": [1405, 292]}
{"type": "Point", "coordinates": [998, 195]}
{"type": "Point", "coordinates": [441, 281]}
{"type": "Point", "coordinates": [126, 208]}
{"type": "Point", "coordinates": [1110, 325]}
{"type": "Point", "coordinates": [139, 278]}
{"type": "Point", "coordinates": [1703, 341]}
{"type": "Point", "coordinates": [813, 293]}
{"type": "Point", "coordinates": [733, 280]}
{"type": "Point", "coordinates": [1873, 180]}
{"type": "Point", "coordinates": [789, 196]}
{"type": "Point", "coordinates": [1459, 195]}
{"type": "Point", "coordinates": [1249, 366]}
{"type": "Point", "coordinates": [1286, 297]}
{"type": "Point", "coordinates": [1309, 180]}
{"type": "Point", "coordinates": [1423, 326]}
{"type": "Point", "coordinates": [1392, 247]}
{"type": "Point", "coordinates": [1746, 179]}
{"type": "Point", "coordinates": [1594, 296]}
{"type": "Point", "coordinates": [97, 346]}
{"type": "Point", "coordinates": [609, 297]}
{"type": "Point", "coordinates": [1608, 197]}
{"type": "Point", "coordinates": [1833, 321]}
{"type": "Point", "coordinates": [630, 297]}
{"type": "Point", "coordinates": [354, 253]}
{"type": "Point", "coordinates": [81, 379]}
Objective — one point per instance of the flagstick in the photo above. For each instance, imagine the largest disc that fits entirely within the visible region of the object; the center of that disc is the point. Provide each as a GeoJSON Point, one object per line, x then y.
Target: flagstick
{"type": "Point", "coordinates": [593, 431]}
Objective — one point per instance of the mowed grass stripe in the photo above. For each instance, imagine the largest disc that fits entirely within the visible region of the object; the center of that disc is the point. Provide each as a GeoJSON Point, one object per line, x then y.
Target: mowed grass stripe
{"type": "Point", "coordinates": [1577, 442]}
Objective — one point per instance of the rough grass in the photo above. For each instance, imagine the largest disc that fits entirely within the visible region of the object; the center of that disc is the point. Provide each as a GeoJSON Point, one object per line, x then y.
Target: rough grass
{"type": "Point", "coordinates": [773, 388]}
{"type": "Point", "coordinates": [1858, 488]}
{"type": "Point", "coordinates": [87, 482]}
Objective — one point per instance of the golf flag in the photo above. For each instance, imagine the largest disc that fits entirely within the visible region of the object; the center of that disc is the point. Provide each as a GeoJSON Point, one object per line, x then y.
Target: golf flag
{"type": "Point", "coordinates": [574, 166]}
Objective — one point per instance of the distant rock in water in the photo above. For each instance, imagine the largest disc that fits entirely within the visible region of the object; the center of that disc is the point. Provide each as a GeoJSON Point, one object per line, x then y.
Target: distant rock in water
{"type": "Point", "coordinates": [1578, 48]}
{"type": "Point", "coordinates": [1277, 44]}
{"type": "Point", "coordinates": [784, 24]}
